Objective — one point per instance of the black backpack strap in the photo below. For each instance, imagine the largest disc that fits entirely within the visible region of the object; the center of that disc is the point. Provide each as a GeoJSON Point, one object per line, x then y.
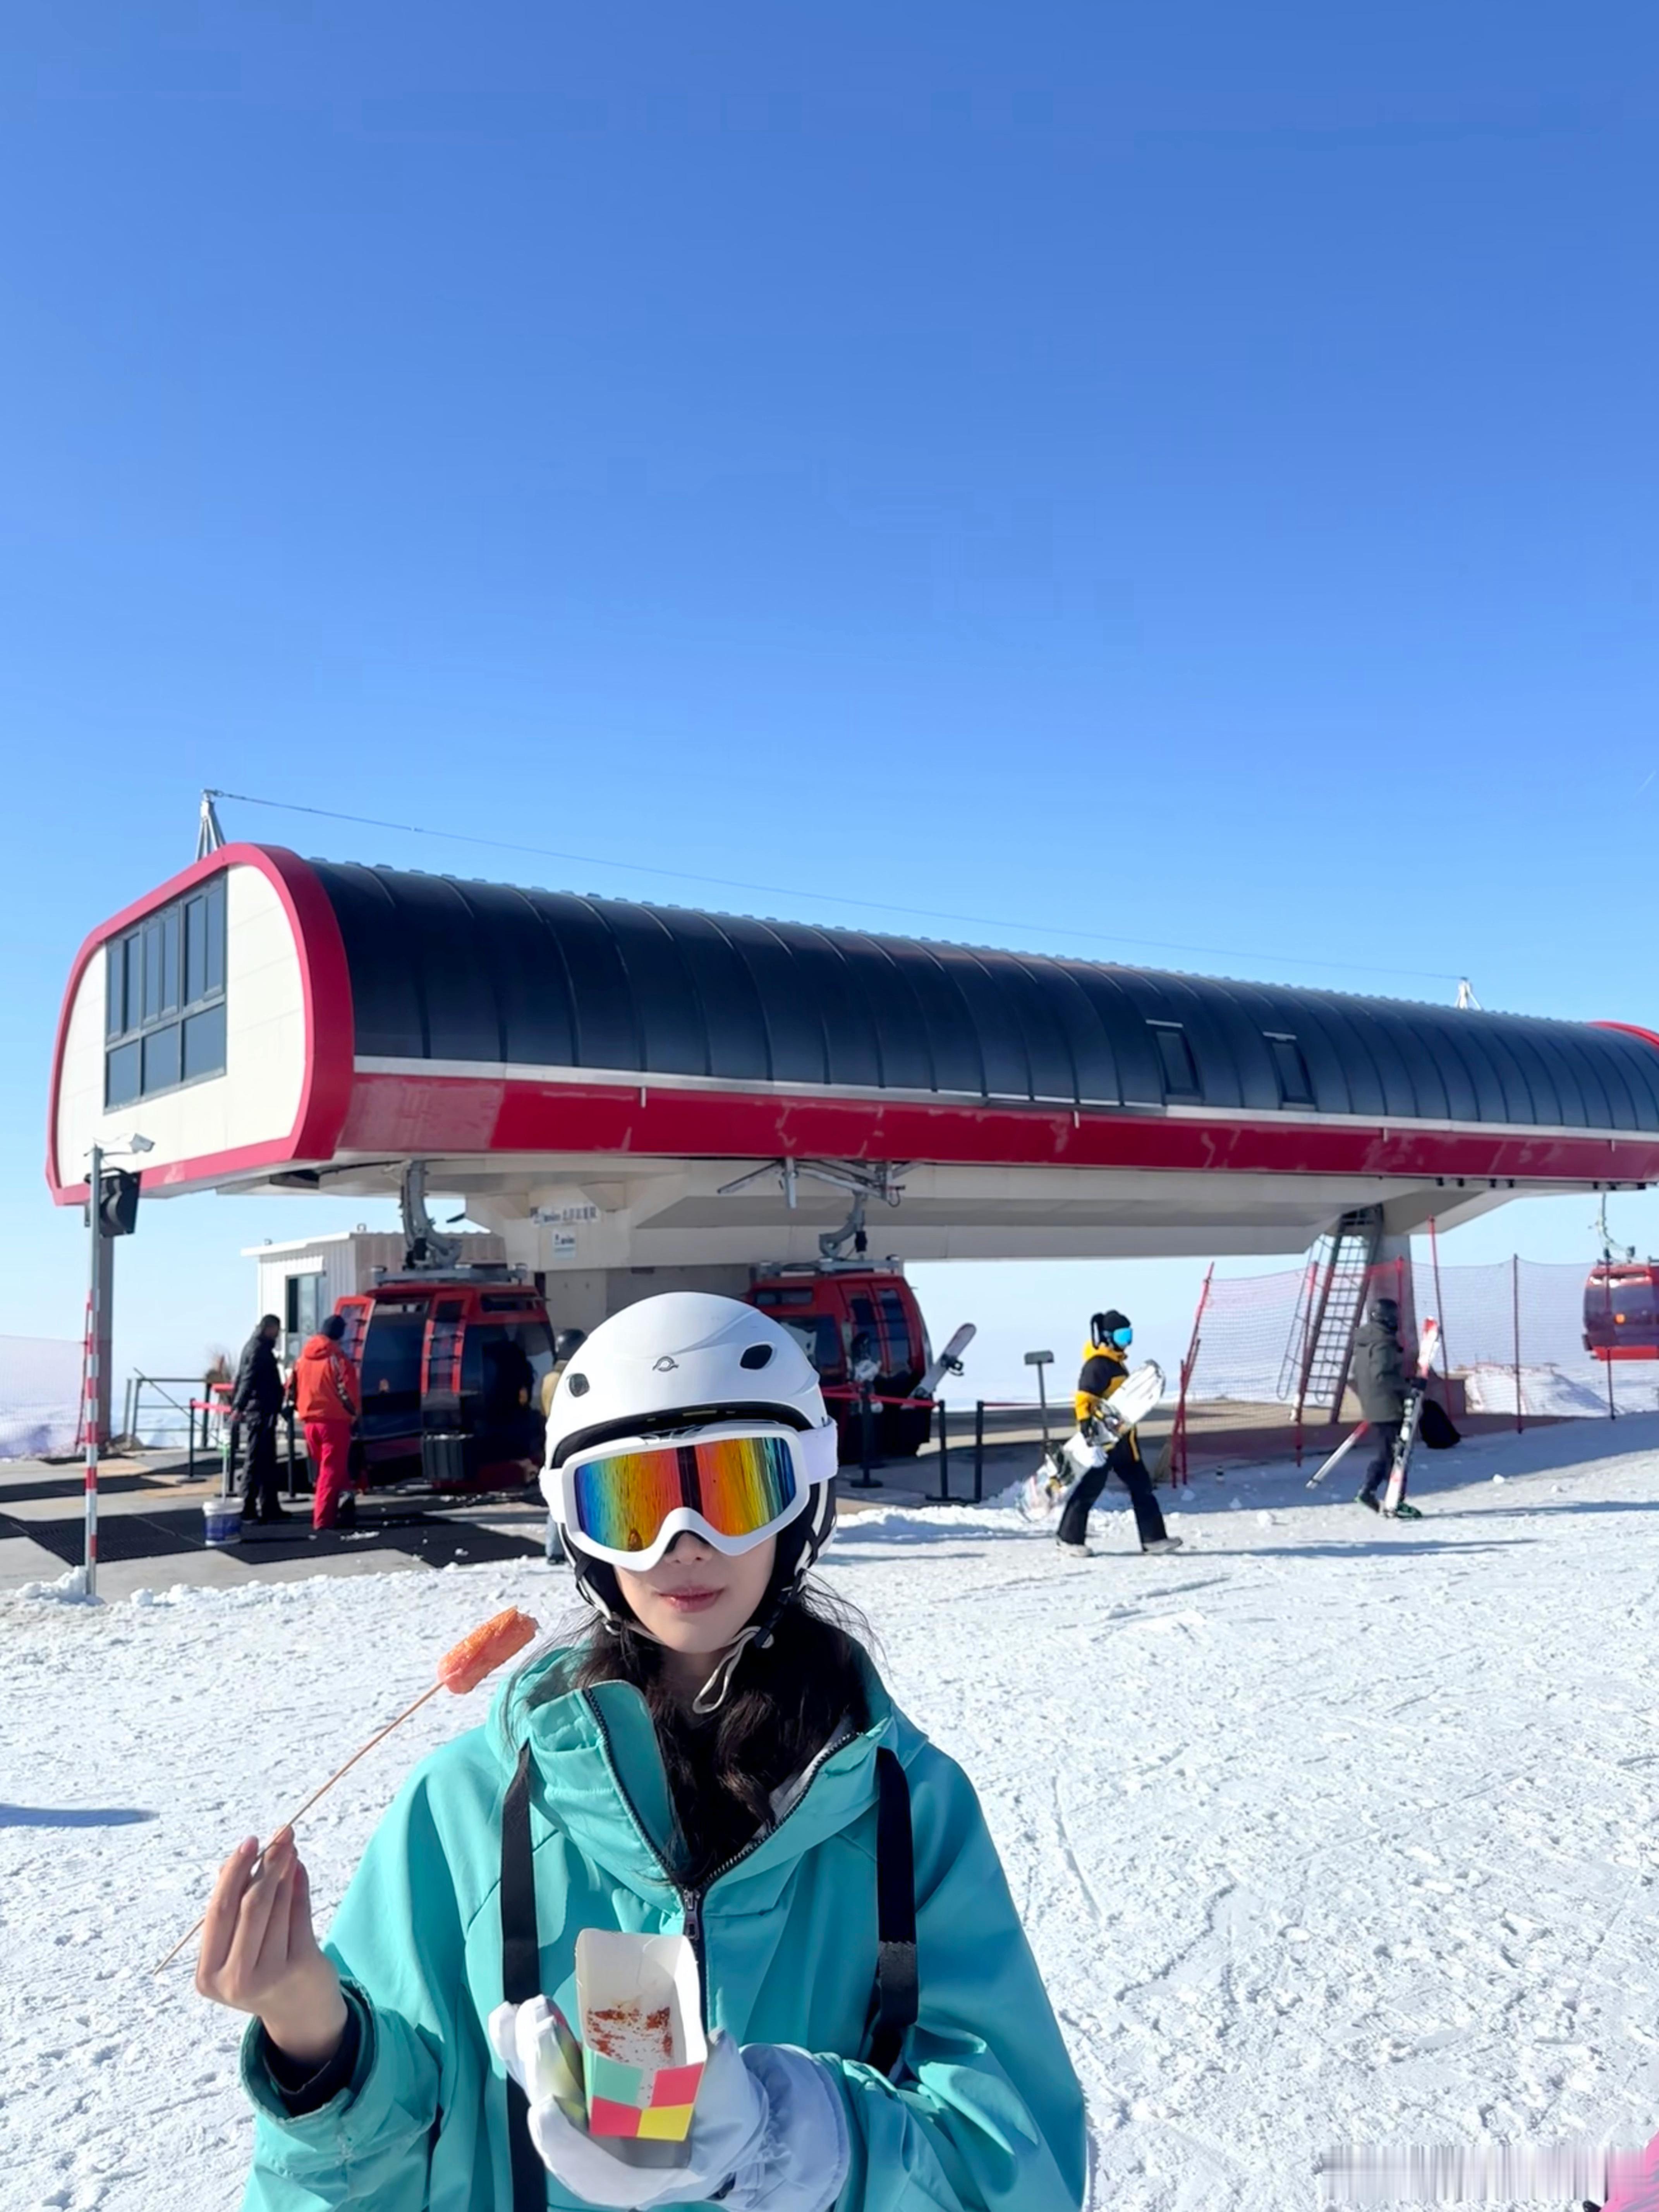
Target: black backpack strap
{"type": "Point", "coordinates": [897, 1989]}
{"type": "Point", "coordinates": [521, 1974]}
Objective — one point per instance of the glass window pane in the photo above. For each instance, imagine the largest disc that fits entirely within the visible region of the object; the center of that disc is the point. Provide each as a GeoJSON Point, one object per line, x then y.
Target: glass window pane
{"type": "Point", "coordinates": [1294, 1087]}
{"type": "Point", "coordinates": [152, 970]}
{"type": "Point", "coordinates": [115, 989]}
{"type": "Point", "coordinates": [195, 950]}
{"type": "Point", "coordinates": [162, 1058]}
{"type": "Point", "coordinates": [216, 935]}
{"type": "Point", "coordinates": [391, 1371]}
{"type": "Point", "coordinates": [170, 960]}
{"type": "Point", "coordinates": [204, 1043]}
{"type": "Point", "coordinates": [1175, 1057]}
{"type": "Point", "coordinates": [121, 1075]}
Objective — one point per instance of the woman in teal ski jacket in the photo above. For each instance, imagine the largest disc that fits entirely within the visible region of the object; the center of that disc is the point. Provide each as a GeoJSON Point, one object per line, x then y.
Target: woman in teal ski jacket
{"type": "Point", "coordinates": [714, 1758]}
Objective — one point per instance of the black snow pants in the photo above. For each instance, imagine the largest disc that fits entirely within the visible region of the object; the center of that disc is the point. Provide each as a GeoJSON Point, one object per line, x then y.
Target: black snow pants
{"type": "Point", "coordinates": [1386, 1434]}
{"type": "Point", "coordinates": [259, 1499]}
{"type": "Point", "coordinates": [1124, 1461]}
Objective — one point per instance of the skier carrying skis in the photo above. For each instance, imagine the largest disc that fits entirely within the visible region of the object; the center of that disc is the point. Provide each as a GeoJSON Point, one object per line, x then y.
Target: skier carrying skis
{"type": "Point", "coordinates": [1104, 1367]}
{"type": "Point", "coordinates": [1377, 1372]}
{"type": "Point", "coordinates": [715, 1754]}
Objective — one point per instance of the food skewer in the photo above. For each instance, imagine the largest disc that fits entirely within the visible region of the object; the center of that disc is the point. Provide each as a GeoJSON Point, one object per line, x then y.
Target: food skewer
{"type": "Point", "coordinates": [460, 1669]}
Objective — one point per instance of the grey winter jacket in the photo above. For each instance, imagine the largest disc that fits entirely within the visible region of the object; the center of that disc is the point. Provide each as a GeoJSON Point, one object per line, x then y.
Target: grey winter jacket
{"type": "Point", "coordinates": [1377, 1372]}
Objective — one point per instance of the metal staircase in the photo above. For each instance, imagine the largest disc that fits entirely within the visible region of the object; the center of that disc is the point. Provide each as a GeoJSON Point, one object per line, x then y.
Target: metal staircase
{"type": "Point", "coordinates": [1333, 1301]}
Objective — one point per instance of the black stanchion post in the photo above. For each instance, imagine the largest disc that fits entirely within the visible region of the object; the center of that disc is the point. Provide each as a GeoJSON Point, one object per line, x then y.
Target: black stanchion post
{"type": "Point", "coordinates": [1040, 1360]}
{"type": "Point", "coordinates": [287, 1423]}
{"type": "Point", "coordinates": [866, 1480]}
{"type": "Point", "coordinates": [943, 1454]}
{"type": "Point", "coordinates": [979, 1451]}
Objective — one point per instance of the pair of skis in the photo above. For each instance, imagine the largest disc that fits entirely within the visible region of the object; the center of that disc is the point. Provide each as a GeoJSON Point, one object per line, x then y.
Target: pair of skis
{"type": "Point", "coordinates": [1410, 1420]}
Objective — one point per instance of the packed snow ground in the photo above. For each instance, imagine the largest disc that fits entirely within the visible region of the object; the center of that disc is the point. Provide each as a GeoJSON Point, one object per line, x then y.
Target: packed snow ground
{"type": "Point", "coordinates": [1323, 1829]}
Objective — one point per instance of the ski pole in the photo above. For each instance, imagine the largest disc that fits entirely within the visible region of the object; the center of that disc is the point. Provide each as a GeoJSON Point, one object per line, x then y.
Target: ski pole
{"type": "Point", "coordinates": [1339, 1455]}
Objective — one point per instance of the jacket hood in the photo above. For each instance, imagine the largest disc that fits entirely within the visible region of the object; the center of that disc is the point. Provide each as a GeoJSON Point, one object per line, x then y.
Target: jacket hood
{"type": "Point", "coordinates": [596, 1756]}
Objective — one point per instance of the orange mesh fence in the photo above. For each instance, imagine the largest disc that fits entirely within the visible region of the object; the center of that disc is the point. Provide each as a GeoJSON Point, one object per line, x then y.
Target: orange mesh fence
{"type": "Point", "coordinates": [1512, 1332]}
{"type": "Point", "coordinates": [1246, 1338]}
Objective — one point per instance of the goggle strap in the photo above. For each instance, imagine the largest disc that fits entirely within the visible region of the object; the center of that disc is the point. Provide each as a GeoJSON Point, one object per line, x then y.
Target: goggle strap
{"type": "Point", "coordinates": [818, 1451]}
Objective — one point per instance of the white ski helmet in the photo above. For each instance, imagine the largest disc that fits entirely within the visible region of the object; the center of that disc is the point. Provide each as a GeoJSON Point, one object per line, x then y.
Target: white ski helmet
{"type": "Point", "coordinates": [678, 1365]}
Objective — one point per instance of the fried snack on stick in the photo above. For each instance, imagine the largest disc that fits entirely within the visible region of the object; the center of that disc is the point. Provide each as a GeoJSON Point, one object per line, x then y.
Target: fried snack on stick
{"type": "Point", "coordinates": [462, 1669]}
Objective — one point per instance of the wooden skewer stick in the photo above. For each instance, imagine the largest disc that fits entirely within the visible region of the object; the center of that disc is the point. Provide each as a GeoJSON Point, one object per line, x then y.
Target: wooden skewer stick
{"type": "Point", "coordinates": [310, 1801]}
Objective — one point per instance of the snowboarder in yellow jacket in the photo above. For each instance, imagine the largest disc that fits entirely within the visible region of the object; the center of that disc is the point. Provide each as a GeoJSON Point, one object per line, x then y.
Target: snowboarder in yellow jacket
{"type": "Point", "coordinates": [1105, 1365]}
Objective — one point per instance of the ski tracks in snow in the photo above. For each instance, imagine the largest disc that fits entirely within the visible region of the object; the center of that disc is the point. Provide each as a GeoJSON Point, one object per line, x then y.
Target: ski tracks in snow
{"type": "Point", "coordinates": [1316, 1837]}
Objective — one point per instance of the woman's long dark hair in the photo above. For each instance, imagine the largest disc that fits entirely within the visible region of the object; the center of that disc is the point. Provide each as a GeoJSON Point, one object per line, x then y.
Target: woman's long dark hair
{"type": "Point", "coordinates": [788, 1698]}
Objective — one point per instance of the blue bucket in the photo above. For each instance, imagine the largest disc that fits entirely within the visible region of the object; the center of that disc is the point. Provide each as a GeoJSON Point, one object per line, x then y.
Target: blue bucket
{"type": "Point", "coordinates": [221, 1520]}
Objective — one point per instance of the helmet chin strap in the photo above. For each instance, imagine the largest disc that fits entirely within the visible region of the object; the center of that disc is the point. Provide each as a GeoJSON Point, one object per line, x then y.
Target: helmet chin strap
{"type": "Point", "coordinates": [714, 1692]}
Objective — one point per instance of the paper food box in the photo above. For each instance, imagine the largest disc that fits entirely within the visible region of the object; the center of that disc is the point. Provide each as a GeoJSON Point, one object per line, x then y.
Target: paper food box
{"type": "Point", "coordinates": [639, 2002]}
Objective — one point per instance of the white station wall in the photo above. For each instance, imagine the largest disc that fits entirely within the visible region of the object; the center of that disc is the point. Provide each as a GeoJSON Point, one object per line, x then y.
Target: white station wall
{"type": "Point", "coordinates": [257, 1096]}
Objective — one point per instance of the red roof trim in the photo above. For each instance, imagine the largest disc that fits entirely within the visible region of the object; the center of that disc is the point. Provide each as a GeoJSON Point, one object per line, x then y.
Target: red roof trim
{"type": "Point", "coordinates": [410, 1113]}
{"type": "Point", "coordinates": [329, 1029]}
{"type": "Point", "coordinates": [1631, 1029]}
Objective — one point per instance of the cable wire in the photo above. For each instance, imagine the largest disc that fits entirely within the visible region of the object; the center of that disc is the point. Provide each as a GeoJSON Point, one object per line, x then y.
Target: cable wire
{"type": "Point", "coordinates": [830, 898]}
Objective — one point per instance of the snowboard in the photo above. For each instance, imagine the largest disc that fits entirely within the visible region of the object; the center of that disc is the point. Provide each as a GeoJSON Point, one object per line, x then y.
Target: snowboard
{"type": "Point", "coordinates": [948, 1363]}
{"type": "Point", "coordinates": [1409, 1421]}
{"type": "Point", "coordinates": [1046, 1489]}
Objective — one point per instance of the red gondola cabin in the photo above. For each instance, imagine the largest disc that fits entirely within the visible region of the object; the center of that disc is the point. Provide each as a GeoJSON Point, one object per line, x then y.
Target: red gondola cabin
{"type": "Point", "coordinates": [1621, 1311]}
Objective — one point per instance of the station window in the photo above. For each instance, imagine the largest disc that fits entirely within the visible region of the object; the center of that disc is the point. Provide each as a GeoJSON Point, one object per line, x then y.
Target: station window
{"type": "Point", "coordinates": [1295, 1084]}
{"type": "Point", "coordinates": [305, 1304]}
{"type": "Point", "coordinates": [165, 998]}
{"type": "Point", "coordinates": [1174, 1057]}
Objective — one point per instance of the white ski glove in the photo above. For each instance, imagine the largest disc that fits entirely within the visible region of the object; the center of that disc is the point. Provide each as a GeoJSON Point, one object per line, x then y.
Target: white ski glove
{"type": "Point", "coordinates": [768, 2131]}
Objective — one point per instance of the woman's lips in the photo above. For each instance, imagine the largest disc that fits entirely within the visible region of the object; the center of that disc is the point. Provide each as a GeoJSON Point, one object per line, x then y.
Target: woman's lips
{"type": "Point", "coordinates": [692, 1600]}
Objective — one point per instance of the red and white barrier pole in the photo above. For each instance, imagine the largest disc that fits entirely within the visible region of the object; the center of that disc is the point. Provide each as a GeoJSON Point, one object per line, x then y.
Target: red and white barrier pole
{"type": "Point", "coordinates": [95, 1192]}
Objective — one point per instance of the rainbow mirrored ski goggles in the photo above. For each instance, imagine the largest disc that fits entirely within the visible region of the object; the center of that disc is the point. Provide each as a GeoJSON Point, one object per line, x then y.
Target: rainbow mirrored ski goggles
{"type": "Point", "coordinates": [733, 1486]}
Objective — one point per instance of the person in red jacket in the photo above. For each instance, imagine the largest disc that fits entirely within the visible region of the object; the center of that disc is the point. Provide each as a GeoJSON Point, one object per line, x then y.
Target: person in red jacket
{"type": "Point", "coordinates": [323, 1387]}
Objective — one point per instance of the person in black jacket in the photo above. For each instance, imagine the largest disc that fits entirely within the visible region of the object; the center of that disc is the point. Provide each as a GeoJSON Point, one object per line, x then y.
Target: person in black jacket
{"type": "Point", "coordinates": [256, 1402]}
{"type": "Point", "coordinates": [1377, 1372]}
{"type": "Point", "coordinates": [1105, 1364]}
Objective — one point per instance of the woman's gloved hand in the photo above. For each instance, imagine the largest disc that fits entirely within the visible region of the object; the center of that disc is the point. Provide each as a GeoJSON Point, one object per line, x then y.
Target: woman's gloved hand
{"type": "Point", "coordinates": [769, 2128]}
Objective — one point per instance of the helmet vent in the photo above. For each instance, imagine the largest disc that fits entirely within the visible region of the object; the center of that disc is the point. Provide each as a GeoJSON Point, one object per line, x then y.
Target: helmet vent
{"type": "Point", "coordinates": [758, 1355]}
{"type": "Point", "coordinates": [577, 1385]}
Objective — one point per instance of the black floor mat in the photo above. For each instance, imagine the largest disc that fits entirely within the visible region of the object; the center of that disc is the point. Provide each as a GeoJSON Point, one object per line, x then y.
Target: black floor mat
{"type": "Point", "coordinates": [430, 1537]}
{"type": "Point", "coordinates": [74, 1486]}
{"type": "Point", "coordinates": [120, 1536]}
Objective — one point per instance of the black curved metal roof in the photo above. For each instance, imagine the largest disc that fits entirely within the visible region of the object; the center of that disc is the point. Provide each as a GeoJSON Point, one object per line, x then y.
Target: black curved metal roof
{"type": "Point", "coordinates": [459, 972]}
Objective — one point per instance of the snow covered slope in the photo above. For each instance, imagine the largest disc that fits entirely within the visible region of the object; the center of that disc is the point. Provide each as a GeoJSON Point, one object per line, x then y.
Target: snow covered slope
{"type": "Point", "coordinates": [1323, 1829]}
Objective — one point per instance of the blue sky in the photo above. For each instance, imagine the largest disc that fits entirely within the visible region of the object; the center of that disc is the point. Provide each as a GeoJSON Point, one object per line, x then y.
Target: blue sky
{"type": "Point", "coordinates": [1178, 484]}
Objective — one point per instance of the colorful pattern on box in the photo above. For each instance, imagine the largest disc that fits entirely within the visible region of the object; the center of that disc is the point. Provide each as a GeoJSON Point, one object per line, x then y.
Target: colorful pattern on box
{"type": "Point", "coordinates": [630, 2100]}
